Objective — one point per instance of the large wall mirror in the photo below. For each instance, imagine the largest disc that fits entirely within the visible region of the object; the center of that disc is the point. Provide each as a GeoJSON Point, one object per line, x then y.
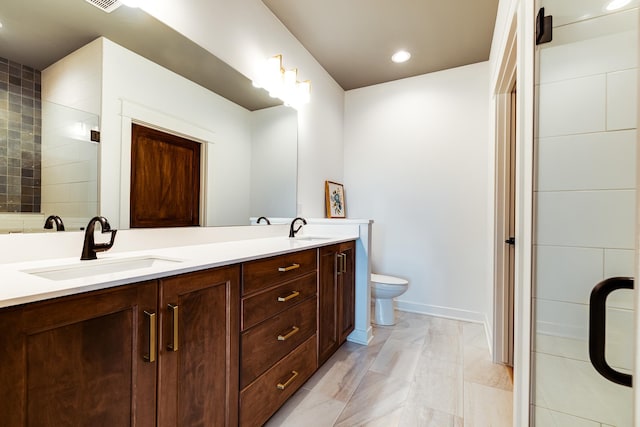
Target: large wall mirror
{"type": "Point", "coordinates": [82, 69]}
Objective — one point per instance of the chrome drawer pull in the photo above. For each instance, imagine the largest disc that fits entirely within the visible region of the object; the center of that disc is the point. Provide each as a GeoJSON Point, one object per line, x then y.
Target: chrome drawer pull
{"type": "Point", "coordinates": [288, 297]}
{"type": "Point", "coordinates": [281, 386]}
{"type": "Point", "coordinates": [151, 318]}
{"type": "Point", "coordinates": [294, 330]}
{"type": "Point", "coordinates": [291, 267]}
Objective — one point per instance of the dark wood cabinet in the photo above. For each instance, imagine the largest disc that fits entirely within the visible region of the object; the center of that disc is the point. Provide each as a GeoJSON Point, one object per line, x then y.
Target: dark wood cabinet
{"type": "Point", "coordinates": [336, 297]}
{"type": "Point", "coordinates": [220, 347]}
{"type": "Point", "coordinates": [154, 353]}
{"type": "Point", "coordinates": [198, 348]}
{"type": "Point", "coordinates": [278, 340]}
{"type": "Point", "coordinates": [81, 360]}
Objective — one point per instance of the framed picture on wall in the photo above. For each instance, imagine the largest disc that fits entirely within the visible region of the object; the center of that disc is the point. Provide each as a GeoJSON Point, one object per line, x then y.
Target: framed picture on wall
{"type": "Point", "coordinates": [334, 199]}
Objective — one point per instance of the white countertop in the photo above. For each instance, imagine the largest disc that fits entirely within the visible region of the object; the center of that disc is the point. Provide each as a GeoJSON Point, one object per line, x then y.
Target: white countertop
{"type": "Point", "coordinates": [17, 286]}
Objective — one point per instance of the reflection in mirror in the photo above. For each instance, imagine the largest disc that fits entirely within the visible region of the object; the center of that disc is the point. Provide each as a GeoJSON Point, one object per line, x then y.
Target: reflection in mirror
{"type": "Point", "coordinates": [56, 170]}
{"type": "Point", "coordinates": [69, 165]}
{"type": "Point", "coordinates": [245, 152]}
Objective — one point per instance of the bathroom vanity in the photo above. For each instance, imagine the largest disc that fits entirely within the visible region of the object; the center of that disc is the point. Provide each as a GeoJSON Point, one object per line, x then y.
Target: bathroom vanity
{"type": "Point", "coordinates": [189, 343]}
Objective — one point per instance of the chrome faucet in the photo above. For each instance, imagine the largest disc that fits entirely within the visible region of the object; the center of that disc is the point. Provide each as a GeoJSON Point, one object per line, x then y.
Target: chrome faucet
{"type": "Point", "coordinates": [90, 247]}
{"type": "Point", "coordinates": [54, 219]}
{"type": "Point", "coordinates": [265, 218]}
{"type": "Point", "coordinates": [293, 231]}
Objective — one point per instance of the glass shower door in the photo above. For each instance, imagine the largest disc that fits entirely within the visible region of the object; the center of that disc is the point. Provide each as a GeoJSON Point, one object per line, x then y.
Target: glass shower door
{"type": "Point", "coordinates": [585, 209]}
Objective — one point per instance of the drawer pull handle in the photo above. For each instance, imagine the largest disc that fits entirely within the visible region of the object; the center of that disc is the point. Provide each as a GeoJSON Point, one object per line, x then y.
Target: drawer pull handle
{"type": "Point", "coordinates": [281, 386]}
{"type": "Point", "coordinates": [288, 297]}
{"type": "Point", "coordinates": [294, 330]}
{"type": "Point", "coordinates": [174, 345]}
{"type": "Point", "coordinates": [291, 267]}
{"type": "Point", "coordinates": [151, 318]}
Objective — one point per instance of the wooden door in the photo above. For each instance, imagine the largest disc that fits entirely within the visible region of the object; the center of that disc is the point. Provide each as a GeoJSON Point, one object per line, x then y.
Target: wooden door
{"type": "Point", "coordinates": [347, 291]}
{"type": "Point", "coordinates": [199, 356]}
{"type": "Point", "coordinates": [165, 179]}
{"type": "Point", "coordinates": [80, 360]}
{"type": "Point", "coordinates": [328, 339]}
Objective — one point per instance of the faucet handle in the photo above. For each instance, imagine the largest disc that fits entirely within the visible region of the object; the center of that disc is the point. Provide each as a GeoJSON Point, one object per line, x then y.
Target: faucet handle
{"type": "Point", "coordinates": [101, 247]}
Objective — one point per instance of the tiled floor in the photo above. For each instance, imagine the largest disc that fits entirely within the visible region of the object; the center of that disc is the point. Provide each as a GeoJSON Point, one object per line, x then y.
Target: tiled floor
{"type": "Point", "coordinates": [424, 371]}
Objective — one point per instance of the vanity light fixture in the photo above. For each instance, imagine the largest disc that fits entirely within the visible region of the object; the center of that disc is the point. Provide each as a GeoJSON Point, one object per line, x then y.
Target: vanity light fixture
{"type": "Point", "coordinates": [283, 84]}
{"type": "Point", "coordinates": [617, 4]}
{"type": "Point", "coordinates": [400, 56]}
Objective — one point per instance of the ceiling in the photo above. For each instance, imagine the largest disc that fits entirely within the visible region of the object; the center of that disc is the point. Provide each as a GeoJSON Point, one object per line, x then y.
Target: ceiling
{"type": "Point", "coordinates": [354, 39]}
{"type": "Point", "coordinates": [38, 33]}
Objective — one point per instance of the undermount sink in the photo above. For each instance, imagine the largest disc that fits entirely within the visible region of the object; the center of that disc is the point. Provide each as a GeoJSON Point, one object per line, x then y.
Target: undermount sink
{"type": "Point", "coordinates": [99, 267]}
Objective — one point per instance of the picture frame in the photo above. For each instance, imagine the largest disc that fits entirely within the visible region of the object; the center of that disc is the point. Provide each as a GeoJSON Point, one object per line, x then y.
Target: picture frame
{"type": "Point", "coordinates": [334, 200]}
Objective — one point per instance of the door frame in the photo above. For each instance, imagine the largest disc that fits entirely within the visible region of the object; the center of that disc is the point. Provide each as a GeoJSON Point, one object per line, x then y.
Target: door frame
{"type": "Point", "coordinates": [516, 20]}
{"type": "Point", "coordinates": [503, 274]}
{"type": "Point", "coordinates": [145, 116]}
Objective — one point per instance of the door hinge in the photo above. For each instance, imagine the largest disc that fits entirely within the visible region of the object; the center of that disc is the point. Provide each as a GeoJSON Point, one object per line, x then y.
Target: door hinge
{"type": "Point", "coordinates": [544, 27]}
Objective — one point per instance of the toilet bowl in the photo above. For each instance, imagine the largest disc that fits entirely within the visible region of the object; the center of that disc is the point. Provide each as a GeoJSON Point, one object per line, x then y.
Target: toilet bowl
{"type": "Point", "coordinates": [384, 289]}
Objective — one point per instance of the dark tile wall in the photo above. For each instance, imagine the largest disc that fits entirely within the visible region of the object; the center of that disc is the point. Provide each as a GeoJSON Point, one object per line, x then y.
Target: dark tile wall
{"type": "Point", "coordinates": [20, 137]}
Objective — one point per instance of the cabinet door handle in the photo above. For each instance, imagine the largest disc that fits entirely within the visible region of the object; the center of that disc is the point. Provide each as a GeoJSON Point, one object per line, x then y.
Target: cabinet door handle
{"type": "Point", "coordinates": [344, 262]}
{"type": "Point", "coordinates": [286, 384]}
{"type": "Point", "coordinates": [294, 330]}
{"type": "Point", "coordinates": [293, 294]}
{"type": "Point", "coordinates": [339, 264]}
{"type": "Point", "coordinates": [291, 267]}
{"type": "Point", "coordinates": [151, 318]}
{"type": "Point", "coordinates": [174, 310]}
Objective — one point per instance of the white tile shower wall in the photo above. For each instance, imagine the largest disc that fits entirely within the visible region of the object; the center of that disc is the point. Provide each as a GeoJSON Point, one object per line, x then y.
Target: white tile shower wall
{"type": "Point", "coordinates": [612, 152]}
{"type": "Point", "coordinates": [585, 209]}
{"type": "Point", "coordinates": [69, 164]}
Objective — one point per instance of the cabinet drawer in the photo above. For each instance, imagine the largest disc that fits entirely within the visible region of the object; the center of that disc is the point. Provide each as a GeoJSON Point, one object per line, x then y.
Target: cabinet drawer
{"type": "Point", "coordinates": [268, 342]}
{"type": "Point", "coordinates": [264, 273]}
{"type": "Point", "coordinates": [261, 306]}
{"type": "Point", "coordinates": [262, 398]}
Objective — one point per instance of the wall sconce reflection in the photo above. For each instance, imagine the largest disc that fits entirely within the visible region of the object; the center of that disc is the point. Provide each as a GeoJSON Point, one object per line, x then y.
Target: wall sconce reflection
{"type": "Point", "coordinates": [283, 84]}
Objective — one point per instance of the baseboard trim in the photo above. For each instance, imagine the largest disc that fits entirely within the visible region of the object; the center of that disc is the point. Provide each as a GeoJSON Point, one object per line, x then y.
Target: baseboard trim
{"type": "Point", "coordinates": [446, 312]}
{"type": "Point", "coordinates": [361, 336]}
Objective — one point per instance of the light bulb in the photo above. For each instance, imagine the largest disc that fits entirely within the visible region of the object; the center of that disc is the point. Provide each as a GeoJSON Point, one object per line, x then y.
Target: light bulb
{"type": "Point", "coordinates": [400, 56]}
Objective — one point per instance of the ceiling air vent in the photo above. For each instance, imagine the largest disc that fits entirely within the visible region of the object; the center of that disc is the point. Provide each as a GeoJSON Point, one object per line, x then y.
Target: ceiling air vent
{"type": "Point", "coordinates": [106, 5]}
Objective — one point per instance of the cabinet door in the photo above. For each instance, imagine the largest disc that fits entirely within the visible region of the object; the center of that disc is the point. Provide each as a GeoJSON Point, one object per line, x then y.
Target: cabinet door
{"type": "Point", "coordinates": [346, 290]}
{"type": "Point", "coordinates": [328, 339]}
{"type": "Point", "coordinates": [198, 354]}
{"type": "Point", "coordinates": [80, 360]}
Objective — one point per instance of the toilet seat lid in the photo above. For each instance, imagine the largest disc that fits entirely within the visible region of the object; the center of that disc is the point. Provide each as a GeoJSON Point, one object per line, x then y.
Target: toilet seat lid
{"type": "Point", "coordinates": [388, 280]}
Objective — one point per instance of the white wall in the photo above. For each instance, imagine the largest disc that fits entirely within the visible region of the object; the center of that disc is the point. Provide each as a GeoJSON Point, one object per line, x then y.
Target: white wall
{"type": "Point", "coordinates": [244, 33]}
{"type": "Point", "coordinates": [274, 150]}
{"type": "Point", "coordinates": [76, 79]}
{"type": "Point", "coordinates": [415, 162]}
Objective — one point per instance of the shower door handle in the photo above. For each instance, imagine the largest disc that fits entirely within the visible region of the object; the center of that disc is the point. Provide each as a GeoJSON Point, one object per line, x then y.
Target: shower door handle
{"type": "Point", "coordinates": [597, 328]}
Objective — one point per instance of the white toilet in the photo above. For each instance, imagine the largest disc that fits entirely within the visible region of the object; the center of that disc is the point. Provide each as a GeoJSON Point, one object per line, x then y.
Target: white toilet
{"type": "Point", "coordinates": [384, 289]}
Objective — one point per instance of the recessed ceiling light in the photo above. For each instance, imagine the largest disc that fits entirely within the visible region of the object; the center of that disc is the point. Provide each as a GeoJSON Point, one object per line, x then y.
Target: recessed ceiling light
{"type": "Point", "coordinates": [400, 56]}
{"type": "Point", "coordinates": [617, 4]}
